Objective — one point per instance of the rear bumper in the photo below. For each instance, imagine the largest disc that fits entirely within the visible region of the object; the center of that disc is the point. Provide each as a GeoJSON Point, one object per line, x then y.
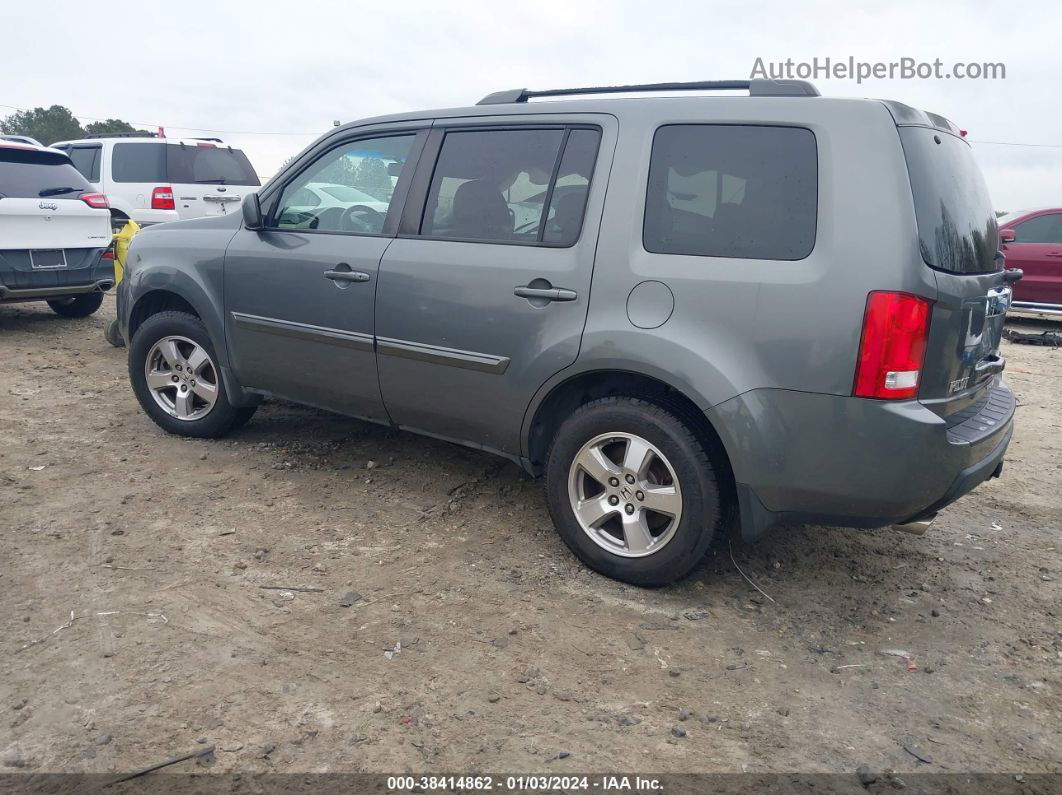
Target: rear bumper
{"type": "Point", "coordinates": [825, 459]}
{"type": "Point", "coordinates": [87, 273]}
{"type": "Point", "coordinates": [1035, 309]}
{"type": "Point", "coordinates": [146, 217]}
{"type": "Point", "coordinates": [44, 293]}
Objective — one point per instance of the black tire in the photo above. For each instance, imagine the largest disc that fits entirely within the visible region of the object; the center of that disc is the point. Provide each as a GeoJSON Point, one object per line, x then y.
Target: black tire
{"type": "Point", "coordinates": [701, 510]}
{"type": "Point", "coordinates": [112, 335]}
{"type": "Point", "coordinates": [222, 418]}
{"type": "Point", "coordinates": [77, 305]}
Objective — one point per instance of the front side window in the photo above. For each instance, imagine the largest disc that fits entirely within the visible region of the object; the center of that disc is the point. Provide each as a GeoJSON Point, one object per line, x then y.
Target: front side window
{"type": "Point", "coordinates": [732, 191]}
{"type": "Point", "coordinates": [1045, 230]}
{"type": "Point", "coordinates": [511, 186]}
{"type": "Point", "coordinates": [348, 189]}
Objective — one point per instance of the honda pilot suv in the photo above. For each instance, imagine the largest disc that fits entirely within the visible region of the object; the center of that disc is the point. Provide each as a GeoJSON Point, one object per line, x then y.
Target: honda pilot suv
{"type": "Point", "coordinates": [780, 307]}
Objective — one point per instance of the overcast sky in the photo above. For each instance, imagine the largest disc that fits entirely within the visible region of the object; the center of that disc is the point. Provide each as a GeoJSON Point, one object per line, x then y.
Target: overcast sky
{"type": "Point", "coordinates": [293, 67]}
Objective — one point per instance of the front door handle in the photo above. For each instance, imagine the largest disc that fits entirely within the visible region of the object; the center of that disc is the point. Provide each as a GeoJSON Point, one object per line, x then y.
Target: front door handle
{"type": "Point", "coordinates": [346, 275]}
{"type": "Point", "coordinates": [1054, 253]}
{"type": "Point", "coordinates": [545, 293]}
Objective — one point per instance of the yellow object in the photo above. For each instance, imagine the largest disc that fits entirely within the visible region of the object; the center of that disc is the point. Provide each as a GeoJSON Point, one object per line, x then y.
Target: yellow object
{"type": "Point", "coordinates": [122, 239]}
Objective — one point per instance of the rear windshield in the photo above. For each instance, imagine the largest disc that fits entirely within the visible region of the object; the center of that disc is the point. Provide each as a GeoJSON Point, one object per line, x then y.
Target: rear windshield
{"type": "Point", "coordinates": [184, 164]}
{"type": "Point", "coordinates": [957, 228]}
{"type": "Point", "coordinates": [31, 174]}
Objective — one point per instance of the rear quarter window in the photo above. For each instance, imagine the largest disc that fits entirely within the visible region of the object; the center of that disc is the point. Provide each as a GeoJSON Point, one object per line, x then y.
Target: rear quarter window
{"type": "Point", "coordinates": [743, 191]}
{"type": "Point", "coordinates": [139, 162]}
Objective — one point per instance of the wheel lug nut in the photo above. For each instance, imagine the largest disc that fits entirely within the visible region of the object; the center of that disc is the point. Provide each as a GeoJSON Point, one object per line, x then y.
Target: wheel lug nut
{"type": "Point", "coordinates": [174, 378]}
{"type": "Point", "coordinates": [629, 508]}
{"type": "Point", "coordinates": [613, 500]}
{"type": "Point", "coordinates": [630, 478]}
{"type": "Point", "coordinates": [613, 481]}
{"type": "Point", "coordinates": [639, 495]}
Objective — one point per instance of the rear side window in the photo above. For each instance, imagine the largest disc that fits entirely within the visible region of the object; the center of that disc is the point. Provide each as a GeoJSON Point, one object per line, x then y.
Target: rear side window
{"type": "Point", "coordinates": [511, 186]}
{"type": "Point", "coordinates": [957, 229]}
{"type": "Point", "coordinates": [32, 174]}
{"type": "Point", "coordinates": [732, 191]}
{"type": "Point", "coordinates": [86, 159]}
{"type": "Point", "coordinates": [208, 164]}
{"type": "Point", "coordinates": [139, 162]}
{"type": "Point", "coordinates": [1045, 230]}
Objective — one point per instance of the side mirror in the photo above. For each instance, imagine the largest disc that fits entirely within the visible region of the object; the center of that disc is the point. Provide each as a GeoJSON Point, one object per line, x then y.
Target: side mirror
{"type": "Point", "coordinates": [1007, 236]}
{"type": "Point", "coordinates": [394, 169]}
{"type": "Point", "coordinates": [252, 212]}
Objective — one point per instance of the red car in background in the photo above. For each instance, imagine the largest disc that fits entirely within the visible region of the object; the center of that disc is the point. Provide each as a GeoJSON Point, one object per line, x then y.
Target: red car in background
{"type": "Point", "coordinates": [1032, 241]}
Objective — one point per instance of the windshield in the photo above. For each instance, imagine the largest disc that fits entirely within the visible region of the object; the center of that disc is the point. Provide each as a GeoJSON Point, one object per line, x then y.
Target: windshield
{"type": "Point", "coordinates": [957, 228]}
{"type": "Point", "coordinates": [31, 174]}
{"type": "Point", "coordinates": [209, 164]}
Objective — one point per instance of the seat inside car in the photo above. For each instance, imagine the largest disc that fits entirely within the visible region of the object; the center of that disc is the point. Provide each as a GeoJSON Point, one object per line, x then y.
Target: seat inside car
{"type": "Point", "coordinates": [480, 210]}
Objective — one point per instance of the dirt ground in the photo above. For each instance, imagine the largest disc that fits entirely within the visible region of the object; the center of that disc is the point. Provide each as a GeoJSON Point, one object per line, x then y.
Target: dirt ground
{"type": "Point", "coordinates": [142, 615]}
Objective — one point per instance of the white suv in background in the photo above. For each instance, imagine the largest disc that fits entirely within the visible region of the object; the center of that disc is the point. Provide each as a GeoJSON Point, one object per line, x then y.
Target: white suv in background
{"type": "Point", "coordinates": [152, 179]}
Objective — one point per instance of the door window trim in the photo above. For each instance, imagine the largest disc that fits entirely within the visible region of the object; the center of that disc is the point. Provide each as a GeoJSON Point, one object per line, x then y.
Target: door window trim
{"type": "Point", "coordinates": [398, 199]}
{"type": "Point", "coordinates": [417, 200]}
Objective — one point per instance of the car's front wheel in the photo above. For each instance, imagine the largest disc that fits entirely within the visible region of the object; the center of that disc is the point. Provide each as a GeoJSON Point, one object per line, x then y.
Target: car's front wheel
{"type": "Point", "coordinates": [77, 305]}
{"type": "Point", "coordinates": [174, 371]}
{"type": "Point", "coordinates": [632, 491]}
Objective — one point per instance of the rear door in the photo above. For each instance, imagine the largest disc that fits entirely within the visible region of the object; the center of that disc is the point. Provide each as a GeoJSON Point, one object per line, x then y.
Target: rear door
{"type": "Point", "coordinates": [959, 241]}
{"type": "Point", "coordinates": [299, 294]}
{"type": "Point", "coordinates": [208, 178]}
{"type": "Point", "coordinates": [484, 294]}
{"type": "Point", "coordinates": [1037, 250]}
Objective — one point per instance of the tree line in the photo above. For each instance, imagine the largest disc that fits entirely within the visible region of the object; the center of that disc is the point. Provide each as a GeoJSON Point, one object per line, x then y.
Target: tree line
{"type": "Point", "coordinates": [57, 123]}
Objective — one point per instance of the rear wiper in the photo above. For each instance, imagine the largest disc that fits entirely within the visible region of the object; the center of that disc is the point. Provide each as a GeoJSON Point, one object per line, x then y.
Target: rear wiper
{"type": "Point", "coordinates": [218, 181]}
{"type": "Point", "coordinates": [57, 191]}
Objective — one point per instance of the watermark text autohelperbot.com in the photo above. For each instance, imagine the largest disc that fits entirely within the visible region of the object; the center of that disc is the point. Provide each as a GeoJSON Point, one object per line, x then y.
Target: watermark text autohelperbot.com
{"type": "Point", "coordinates": [852, 69]}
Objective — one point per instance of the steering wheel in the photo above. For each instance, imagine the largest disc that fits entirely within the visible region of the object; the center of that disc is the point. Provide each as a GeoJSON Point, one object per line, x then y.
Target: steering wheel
{"type": "Point", "coordinates": [360, 218]}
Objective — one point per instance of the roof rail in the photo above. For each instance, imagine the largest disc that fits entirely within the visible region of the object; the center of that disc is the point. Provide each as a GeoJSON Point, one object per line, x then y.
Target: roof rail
{"type": "Point", "coordinates": [756, 88]}
{"type": "Point", "coordinates": [138, 134]}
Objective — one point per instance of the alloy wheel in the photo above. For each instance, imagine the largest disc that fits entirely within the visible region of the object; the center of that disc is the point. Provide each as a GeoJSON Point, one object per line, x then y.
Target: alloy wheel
{"type": "Point", "coordinates": [625, 494]}
{"type": "Point", "coordinates": [182, 378]}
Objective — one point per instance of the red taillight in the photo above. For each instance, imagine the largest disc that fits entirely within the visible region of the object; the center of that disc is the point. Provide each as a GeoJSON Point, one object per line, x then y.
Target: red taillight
{"type": "Point", "coordinates": [97, 200]}
{"type": "Point", "coordinates": [108, 254]}
{"type": "Point", "coordinates": [162, 199]}
{"type": "Point", "coordinates": [895, 328]}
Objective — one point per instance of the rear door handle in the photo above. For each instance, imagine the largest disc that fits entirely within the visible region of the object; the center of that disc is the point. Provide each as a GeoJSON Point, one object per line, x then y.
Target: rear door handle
{"type": "Point", "coordinates": [546, 293]}
{"type": "Point", "coordinates": [347, 276]}
{"type": "Point", "coordinates": [1054, 253]}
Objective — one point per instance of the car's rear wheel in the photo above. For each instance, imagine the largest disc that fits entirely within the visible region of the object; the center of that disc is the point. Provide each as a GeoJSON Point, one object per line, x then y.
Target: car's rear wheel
{"type": "Point", "coordinates": [174, 370]}
{"type": "Point", "coordinates": [632, 491]}
{"type": "Point", "coordinates": [77, 305]}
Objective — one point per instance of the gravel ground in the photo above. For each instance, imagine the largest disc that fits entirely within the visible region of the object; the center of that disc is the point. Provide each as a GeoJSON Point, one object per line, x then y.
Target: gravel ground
{"type": "Point", "coordinates": [161, 593]}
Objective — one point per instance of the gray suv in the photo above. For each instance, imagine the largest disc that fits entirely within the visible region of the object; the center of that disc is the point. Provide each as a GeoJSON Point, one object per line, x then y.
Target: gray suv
{"type": "Point", "coordinates": [680, 310]}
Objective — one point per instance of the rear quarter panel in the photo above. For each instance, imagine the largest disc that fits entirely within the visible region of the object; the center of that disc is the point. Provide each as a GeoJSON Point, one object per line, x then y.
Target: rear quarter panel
{"type": "Point", "coordinates": [742, 324]}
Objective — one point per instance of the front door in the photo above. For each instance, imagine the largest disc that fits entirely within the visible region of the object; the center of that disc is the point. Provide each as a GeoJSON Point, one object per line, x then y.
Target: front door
{"type": "Point", "coordinates": [483, 296]}
{"type": "Point", "coordinates": [299, 295]}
